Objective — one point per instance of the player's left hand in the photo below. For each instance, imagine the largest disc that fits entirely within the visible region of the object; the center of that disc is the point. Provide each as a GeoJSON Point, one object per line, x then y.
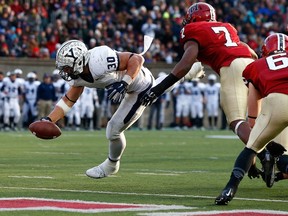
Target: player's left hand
{"type": "Point", "coordinates": [117, 91]}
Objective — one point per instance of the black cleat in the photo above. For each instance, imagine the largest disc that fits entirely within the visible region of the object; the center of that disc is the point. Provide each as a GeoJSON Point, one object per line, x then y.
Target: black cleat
{"type": "Point", "coordinates": [226, 196]}
{"type": "Point", "coordinates": [268, 175]}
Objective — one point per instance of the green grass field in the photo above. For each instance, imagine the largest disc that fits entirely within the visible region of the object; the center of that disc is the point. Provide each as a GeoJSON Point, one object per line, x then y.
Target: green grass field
{"type": "Point", "coordinates": [167, 167]}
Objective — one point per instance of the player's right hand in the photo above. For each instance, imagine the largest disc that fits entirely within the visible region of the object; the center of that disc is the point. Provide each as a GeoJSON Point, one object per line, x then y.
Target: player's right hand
{"type": "Point", "coordinates": [149, 98]}
{"type": "Point", "coordinates": [45, 119]}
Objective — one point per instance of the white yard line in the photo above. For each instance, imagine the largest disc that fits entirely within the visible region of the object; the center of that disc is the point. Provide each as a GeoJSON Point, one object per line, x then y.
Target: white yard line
{"type": "Point", "coordinates": [32, 177]}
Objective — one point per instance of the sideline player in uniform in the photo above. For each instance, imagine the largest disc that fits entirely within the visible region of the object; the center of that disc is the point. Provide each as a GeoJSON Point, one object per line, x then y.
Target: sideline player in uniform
{"type": "Point", "coordinates": [1, 99]}
{"type": "Point", "coordinates": [211, 94]}
{"type": "Point", "coordinates": [217, 45]}
{"type": "Point", "coordinates": [29, 109]}
{"type": "Point", "coordinates": [267, 79]}
{"type": "Point", "coordinates": [122, 73]}
{"type": "Point", "coordinates": [12, 94]}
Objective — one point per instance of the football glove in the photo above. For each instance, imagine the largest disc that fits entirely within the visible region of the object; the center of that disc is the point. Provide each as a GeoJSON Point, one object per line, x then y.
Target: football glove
{"type": "Point", "coordinates": [196, 71]}
{"type": "Point", "coordinates": [275, 149]}
{"type": "Point", "coordinates": [117, 91]}
{"type": "Point", "coordinates": [149, 97]}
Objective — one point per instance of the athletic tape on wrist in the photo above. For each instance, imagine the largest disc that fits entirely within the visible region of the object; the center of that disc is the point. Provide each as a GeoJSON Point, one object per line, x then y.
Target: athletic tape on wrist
{"type": "Point", "coordinates": [126, 78]}
{"type": "Point", "coordinates": [63, 106]}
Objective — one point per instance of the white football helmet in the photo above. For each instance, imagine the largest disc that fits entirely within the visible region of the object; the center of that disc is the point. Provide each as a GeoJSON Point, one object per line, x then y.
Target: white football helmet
{"type": "Point", "coordinates": [73, 55]}
{"type": "Point", "coordinates": [31, 75]}
{"type": "Point", "coordinates": [212, 77]}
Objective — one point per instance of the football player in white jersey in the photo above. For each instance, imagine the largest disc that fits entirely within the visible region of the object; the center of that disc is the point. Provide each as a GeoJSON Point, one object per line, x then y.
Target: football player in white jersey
{"type": "Point", "coordinates": [29, 110]}
{"type": "Point", "coordinates": [1, 99]}
{"type": "Point", "coordinates": [73, 117]}
{"type": "Point", "coordinates": [211, 93]}
{"type": "Point", "coordinates": [196, 104]}
{"type": "Point", "coordinates": [87, 106]}
{"type": "Point", "coordinates": [182, 93]}
{"type": "Point", "coordinates": [126, 79]}
{"type": "Point", "coordinates": [12, 93]}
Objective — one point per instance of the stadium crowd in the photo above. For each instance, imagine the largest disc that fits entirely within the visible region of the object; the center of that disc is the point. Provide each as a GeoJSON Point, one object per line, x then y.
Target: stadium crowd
{"type": "Point", "coordinates": [37, 28]}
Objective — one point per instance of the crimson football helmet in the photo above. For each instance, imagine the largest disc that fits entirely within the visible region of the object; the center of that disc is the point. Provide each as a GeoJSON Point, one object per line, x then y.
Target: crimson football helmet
{"type": "Point", "coordinates": [275, 43]}
{"type": "Point", "coordinates": [199, 12]}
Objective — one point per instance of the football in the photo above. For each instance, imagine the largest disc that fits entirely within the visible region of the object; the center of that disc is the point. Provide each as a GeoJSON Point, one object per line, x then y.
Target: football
{"type": "Point", "coordinates": [45, 129]}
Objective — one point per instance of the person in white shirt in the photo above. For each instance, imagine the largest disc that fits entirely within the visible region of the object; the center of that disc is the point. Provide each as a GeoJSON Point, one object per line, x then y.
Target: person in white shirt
{"type": "Point", "coordinates": [29, 109]}
{"type": "Point", "coordinates": [12, 92]}
{"type": "Point", "coordinates": [212, 91]}
{"type": "Point", "coordinates": [196, 104]}
{"type": "Point", "coordinates": [88, 99]}
{"type": "Point", "coordinates": [1, 99]}
{"type": "Point", "coordinates": [182, 93]}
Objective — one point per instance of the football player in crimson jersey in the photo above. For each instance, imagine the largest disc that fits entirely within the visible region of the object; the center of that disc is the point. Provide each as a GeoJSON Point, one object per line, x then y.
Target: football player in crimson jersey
{"type": "Point", "coordinates": [268, 80]}
{"type": "Point", "coordinates": [217, 45]}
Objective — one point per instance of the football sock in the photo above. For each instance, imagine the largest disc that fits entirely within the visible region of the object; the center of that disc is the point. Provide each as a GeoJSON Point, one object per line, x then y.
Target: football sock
{"type": "Point", "coordinates": [241, 166]}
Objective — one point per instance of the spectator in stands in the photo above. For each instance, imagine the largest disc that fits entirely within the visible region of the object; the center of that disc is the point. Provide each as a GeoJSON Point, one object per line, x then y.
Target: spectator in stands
{"type": "Point", "coordinates": [253, 20]}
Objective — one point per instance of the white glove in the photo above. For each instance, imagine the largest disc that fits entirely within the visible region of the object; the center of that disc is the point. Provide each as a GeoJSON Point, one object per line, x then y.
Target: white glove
{"type": "Point", "coordinates": [196, 71]}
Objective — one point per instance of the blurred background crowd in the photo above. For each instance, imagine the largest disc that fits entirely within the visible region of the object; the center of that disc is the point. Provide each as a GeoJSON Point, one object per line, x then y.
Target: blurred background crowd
{"type": "Point", "coordinates": [37, 28]}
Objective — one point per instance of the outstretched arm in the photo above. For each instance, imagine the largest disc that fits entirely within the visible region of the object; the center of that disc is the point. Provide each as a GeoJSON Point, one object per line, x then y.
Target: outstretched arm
{"type": "Point", "coordinates": [253, 53]}
{"type": "Point", "coordinates": [65, 104]}
{"type": "Point", "coordinates": [180, 70]}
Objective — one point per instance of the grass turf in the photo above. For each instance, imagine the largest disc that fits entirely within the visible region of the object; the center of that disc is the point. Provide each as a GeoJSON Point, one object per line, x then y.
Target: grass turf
{"type": "Point", "coordinates": [167, 167]}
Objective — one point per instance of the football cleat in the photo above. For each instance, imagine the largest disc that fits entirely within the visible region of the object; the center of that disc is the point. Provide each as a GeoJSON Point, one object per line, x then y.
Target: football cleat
{"type": "Point", "coordinates": [226, 196]}
{"type": "Point", "coordinates": [104, 169]}
{"type": "Point", "coordinates": [268, 164]}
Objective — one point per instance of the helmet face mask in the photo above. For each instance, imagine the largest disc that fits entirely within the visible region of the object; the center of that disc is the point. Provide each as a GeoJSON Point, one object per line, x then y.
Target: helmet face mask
{"type": "Point", "coordinates": [199, 12]}
{"type": "Point", "coordinates": [275, 43]}
{"type": "Point", "coordinates": [66, 72]}
{"type": "Point", "coordinates": [71, 57]}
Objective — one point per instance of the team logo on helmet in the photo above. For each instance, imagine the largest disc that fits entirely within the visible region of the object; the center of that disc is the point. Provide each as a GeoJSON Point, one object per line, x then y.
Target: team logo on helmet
{"type": "Point", "coordinates": [71, 57]}
{"type": "Point", "coordinates": [199, 12]}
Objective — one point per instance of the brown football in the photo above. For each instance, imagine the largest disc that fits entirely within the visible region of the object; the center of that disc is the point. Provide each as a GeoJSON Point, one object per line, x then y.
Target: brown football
{"type": "Point", "coordinates": [45, 129]}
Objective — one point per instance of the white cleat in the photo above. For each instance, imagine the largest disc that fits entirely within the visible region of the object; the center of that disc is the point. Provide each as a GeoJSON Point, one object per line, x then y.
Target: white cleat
{"type": "Point", "coordinates": [196, 71]}
{"type": "Point", "coordinates": [104, 169]}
